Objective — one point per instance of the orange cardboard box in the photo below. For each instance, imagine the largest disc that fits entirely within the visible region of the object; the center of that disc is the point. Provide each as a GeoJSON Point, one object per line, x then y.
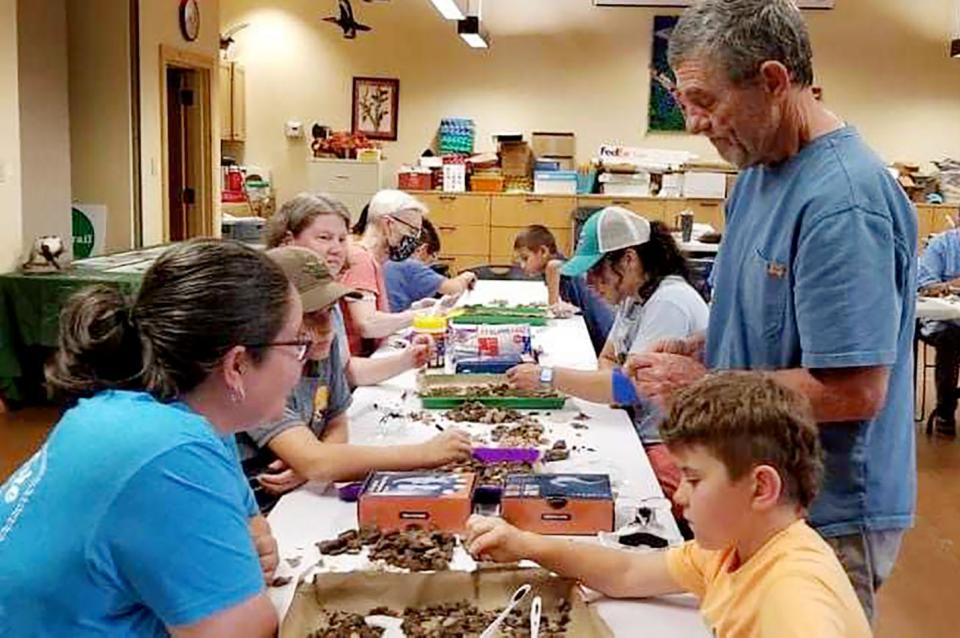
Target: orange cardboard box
{"type": "Point", "coordinates": [569, 504]}
{"type": "Point", "coordinates": [431, 500]}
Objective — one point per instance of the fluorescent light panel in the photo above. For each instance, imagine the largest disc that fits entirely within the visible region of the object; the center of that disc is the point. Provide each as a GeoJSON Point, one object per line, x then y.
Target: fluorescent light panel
{"type": "Point", "coordinates": [450, 9]}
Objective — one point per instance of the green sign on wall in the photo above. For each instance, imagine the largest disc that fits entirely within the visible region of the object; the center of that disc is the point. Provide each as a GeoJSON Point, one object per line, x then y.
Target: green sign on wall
{"type": "Point", "coordinates": [89, 227]}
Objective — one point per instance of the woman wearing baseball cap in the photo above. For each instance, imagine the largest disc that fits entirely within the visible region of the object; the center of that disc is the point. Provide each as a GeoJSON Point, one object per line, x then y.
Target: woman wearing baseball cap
{"type": "Point", "coordinates": [637, 266]}
{"type": "Point", "coordinates": [309, 442]}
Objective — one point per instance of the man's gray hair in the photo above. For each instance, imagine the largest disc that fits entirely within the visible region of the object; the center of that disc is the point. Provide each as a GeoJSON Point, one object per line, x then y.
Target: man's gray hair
{"type": "Point", "coordinates": [740, 35]}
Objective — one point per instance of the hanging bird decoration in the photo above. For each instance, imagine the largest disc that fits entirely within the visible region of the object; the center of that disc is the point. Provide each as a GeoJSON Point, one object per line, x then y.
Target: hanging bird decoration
{"type": "Point", "coordinates": [346, 21]}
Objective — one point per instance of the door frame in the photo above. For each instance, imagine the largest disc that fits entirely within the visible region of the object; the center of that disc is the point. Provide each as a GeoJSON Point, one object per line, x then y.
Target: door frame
{"type": "Point", "coordinates": [206, 67]}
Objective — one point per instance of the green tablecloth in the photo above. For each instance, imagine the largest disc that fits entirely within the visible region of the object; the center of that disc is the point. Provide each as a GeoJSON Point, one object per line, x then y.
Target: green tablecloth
{"type": "Point", "coordinates": [30, 307]}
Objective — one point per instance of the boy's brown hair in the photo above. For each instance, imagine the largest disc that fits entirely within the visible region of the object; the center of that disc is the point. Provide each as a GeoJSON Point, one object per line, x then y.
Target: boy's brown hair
{"type": "Point", "coordinates": [747, 419]}
{"type": "Point", "coordinates": [533, 237]}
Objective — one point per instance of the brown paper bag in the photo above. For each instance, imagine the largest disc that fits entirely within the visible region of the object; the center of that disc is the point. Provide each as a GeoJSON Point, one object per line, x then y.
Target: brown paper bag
{"type": "Point", "coordinates": [359, 592]}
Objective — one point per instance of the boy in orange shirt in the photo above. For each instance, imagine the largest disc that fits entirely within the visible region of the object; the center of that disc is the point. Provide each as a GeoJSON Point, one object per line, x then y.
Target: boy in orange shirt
{"type": "Point", "coordinates": [750, 456]}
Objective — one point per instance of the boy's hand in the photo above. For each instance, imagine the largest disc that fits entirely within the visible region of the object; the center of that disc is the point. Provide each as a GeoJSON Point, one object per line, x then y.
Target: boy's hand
{"type": "Point", "coordinates": [452, 445]}
{"type": "Point", "coordinates": [525, 376]}
{"type": "Point", "coordinates": [494, 539]}
{"type": "Point", "coordinates": [658, 376]}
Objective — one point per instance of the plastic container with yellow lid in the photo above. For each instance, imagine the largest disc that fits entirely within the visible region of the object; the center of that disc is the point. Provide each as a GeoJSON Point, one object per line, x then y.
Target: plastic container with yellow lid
{"type": "Point", "coordinates": [436, 327]}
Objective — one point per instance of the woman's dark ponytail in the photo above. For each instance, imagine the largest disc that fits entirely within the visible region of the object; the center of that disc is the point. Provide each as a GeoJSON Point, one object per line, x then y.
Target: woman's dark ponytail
{"type": "Point", "coordinates": [100, 345]}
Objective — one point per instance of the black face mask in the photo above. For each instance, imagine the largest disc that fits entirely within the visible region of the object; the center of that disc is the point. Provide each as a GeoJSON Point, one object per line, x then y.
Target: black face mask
{"type": "Point", "coordinates": [405, 248]}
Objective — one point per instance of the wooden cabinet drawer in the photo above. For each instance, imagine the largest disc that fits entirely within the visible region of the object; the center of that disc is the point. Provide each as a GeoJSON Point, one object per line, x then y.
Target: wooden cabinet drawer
{"type": "Point", "coordinates": [518, 211]}
{"type": "Point", "coordinates": [651, 209]}
{"type": "Point", "coordinates": [931, 220]}
{"type": "Point", "coordinates": [449, 209]}
{"type": "Point", "coordinates": [501, 240]}
{"type": "Point", "coordinates": [468, 240]}
{"type": "Point", "coordinates": [705, 211]}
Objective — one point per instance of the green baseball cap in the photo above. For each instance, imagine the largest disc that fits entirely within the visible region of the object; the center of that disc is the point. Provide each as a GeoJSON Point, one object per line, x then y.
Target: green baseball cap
{"type": "Point", "coordinates": [311, 277]}
{"type": "Point", "coordinates": [609, 229]}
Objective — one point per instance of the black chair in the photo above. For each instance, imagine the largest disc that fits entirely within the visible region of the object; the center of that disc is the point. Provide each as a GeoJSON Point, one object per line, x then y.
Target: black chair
{"type": "Point", "coordinates": [502, 272]}
{"type": "Point", "coordinates": [921, 365]}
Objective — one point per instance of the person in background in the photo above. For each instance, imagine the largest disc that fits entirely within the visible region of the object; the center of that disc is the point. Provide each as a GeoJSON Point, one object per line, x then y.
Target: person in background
{"type": "Point", "coordinates": [311, 437]}
{"type": "Point", "coordinates": [939, 274]}
{"type": "Point", "coordinates": [320, 223]}
{"type": "Point", "coordinates": [134, 517]}
{"type": "Point", "coordinates": [751, 466]}
{"type": "Point", "coordinates": [391, 231]}
{"type": "Point", "coordinates": [413, 279]}
{"type": "Point", "coordinates": [536, 251]}
{"type": "Point", "coordinates": [815, 282]}
{"type": "Point", "coordinates": [638, 268]}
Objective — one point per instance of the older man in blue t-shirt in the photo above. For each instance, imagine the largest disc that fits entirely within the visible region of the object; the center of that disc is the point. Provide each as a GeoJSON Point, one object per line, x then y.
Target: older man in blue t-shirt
{"type": "Point", "coordinates": [816, 276]}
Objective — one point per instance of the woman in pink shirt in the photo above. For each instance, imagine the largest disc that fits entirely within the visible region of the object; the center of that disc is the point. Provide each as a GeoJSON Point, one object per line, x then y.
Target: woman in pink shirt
{"type": "Point", "coordinates": [392, 231]}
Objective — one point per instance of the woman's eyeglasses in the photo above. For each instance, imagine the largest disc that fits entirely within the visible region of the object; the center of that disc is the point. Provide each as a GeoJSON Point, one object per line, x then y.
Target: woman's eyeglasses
{"type": "Point", "coordinates": [302, 347]}
{"type": "Point", "coordinates": [417, 230]}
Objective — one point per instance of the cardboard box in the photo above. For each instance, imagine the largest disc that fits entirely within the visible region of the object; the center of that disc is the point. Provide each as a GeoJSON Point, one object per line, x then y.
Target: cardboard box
{"type": "Point", "coordinates": [516, 160]}
{"type": "Point", "coordinates": [569, 504]}
{"type": "Point", "coordinates": [554, 144]}
{"type": "Point", "coordinates": [555, 163]}
{"type": "Point", "coordinates": [431, 500]}
{"type": "Point", "coordinates": [704, 185]}
{"type": "Point", "coordinates": [489, 589]}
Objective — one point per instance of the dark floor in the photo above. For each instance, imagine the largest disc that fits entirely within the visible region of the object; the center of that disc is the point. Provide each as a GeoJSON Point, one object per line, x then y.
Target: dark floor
{"type": "Point", "coordinates": [918, 600]}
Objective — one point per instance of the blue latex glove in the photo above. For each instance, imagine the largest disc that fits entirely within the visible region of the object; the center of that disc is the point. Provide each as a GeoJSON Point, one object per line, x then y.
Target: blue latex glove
{"type": "Point", "coordinates": [624, 392]}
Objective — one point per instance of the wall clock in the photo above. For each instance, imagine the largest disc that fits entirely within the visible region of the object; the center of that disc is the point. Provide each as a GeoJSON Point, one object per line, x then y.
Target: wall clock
{"type": "Point", "coordinates": [190, 19]}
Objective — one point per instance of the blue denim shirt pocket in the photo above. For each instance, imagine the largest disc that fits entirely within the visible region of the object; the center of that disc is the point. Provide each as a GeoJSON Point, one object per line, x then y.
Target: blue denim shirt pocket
{"type": "Point", "coordinates": [771, 288]}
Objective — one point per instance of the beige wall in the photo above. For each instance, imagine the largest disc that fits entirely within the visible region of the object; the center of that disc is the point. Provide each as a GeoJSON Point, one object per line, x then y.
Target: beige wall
{"type": "Point", "coordinates": [44, 120]}
{"type": "Point", "coordinates": [100, 118]}
{"type": "Point", "coordinates": [10, 218]}
{"type": "Point", "coordinates": [565, 65]}
{"type": "Point", "coordinates": [159, 25]}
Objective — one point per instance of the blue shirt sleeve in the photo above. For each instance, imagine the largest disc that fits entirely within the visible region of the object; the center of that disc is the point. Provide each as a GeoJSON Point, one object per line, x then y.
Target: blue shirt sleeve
{"type": "Point", "coordinates": [933, 264]}
{"type": "Point", "coordinates": [176, 537]}
{"type": "Point", "coordinates": [409, 281]}
{"type": "Point", "coordinates": [847, 315]}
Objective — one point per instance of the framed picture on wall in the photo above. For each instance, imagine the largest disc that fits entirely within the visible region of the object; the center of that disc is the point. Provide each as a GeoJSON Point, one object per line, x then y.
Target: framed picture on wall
{"type": "Point", "coordinates": [376, 104]}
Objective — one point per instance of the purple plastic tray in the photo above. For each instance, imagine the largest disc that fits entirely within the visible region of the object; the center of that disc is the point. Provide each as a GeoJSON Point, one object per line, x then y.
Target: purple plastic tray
{"type": "Point", "coordinates": [506, 454]}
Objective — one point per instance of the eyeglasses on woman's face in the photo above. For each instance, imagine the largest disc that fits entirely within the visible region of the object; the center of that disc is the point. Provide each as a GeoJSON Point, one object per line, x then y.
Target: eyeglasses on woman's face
{"type": "Point", "coordinates": [301, 347]}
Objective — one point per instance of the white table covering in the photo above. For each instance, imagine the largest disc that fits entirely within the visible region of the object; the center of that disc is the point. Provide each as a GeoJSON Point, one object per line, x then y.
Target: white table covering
{"type": "Point", "coordinates": [314, 513]}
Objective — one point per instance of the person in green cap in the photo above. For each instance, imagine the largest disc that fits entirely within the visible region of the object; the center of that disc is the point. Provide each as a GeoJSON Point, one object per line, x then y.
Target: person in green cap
{"type": "Point", "coordinates": [309, 442]}
{"type": "Point", "coordinates": [636, 266]}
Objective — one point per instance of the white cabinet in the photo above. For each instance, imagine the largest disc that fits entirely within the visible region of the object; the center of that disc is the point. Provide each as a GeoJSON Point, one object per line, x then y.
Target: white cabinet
{"type": "Point", "coordinates": [351, 181]}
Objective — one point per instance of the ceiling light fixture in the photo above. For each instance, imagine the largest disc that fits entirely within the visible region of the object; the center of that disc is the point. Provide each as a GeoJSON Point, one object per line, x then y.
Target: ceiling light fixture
{"type": "Point", "coordinates": [451, 9]}
{"type": "Point", "coordinates": [469, 30]}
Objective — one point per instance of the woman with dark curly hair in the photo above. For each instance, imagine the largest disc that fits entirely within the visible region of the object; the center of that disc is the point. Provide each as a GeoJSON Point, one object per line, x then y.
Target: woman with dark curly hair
{"type": "Point", "coordinates": [636, 265]}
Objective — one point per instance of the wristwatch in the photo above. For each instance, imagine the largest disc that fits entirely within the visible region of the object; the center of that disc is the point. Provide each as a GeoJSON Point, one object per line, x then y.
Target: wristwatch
{"type": "Point", "coordinates": [546, 377]}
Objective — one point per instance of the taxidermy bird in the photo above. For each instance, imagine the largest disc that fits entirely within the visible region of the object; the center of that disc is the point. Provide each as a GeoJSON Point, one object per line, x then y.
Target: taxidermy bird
{"type": "Point", "coordinates": [44, 254]}
{"type": "Point", "coordinates": [226, 38]}
{"type": "Point", "coordinates": [346, 21]}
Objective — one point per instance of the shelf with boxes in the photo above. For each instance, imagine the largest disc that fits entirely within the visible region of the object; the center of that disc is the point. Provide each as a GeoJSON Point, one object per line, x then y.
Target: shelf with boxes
{"type": "Point", "coordinates": [479, 228]}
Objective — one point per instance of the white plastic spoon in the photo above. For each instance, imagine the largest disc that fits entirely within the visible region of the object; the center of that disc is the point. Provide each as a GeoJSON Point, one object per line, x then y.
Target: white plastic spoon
{"type": "Point", "coordinates": [518, 595]}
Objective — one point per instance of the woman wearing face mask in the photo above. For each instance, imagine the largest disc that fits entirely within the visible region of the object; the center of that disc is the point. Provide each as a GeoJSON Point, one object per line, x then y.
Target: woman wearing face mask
{"type": "Point", "coordinates": [311, 437]}
{"type": "Point", "coordinates": [320, 223]}
{"type": "Point", "coordinates": [392, 232]}
{"type": "Point", "coordinates": [638, 268]}
{"type": "Point", "coordinates": [133, 518]}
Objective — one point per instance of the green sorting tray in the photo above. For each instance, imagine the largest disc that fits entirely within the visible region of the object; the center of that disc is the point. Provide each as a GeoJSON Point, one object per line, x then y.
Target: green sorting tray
{"type": "Point", "coordinates": [518, 403]}
{"type": "Point", "coordinates": [497, 320]}
{"type": "Point", "coordinates": [426, 381]}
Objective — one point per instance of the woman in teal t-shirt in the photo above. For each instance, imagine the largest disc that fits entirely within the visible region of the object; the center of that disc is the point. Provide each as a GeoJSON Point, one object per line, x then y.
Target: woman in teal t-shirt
{"type": "Point", "coordinates": [133, 518]}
